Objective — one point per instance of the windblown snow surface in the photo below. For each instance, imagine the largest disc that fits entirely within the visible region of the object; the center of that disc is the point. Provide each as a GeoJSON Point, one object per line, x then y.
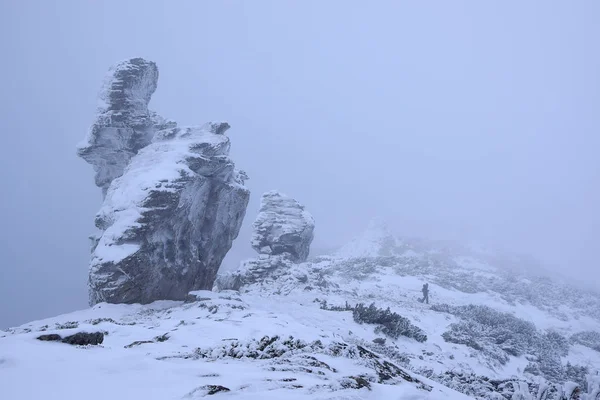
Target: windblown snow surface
{"type": "Point", "coordinates": [292, 337]}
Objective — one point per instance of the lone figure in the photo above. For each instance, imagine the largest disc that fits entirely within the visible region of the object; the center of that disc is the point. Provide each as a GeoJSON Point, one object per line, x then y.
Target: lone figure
{"type": "Point", "coordinates": [425, 291]}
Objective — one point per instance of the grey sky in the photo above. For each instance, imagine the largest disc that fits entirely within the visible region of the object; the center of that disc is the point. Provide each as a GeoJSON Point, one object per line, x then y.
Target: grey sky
{"type": "Point", "coordinates": [452, 119]}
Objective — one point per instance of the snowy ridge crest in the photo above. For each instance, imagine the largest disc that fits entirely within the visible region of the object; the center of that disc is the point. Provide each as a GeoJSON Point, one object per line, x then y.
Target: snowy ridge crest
{"type": "Point", "coordinates": [377, 240]}
{"type": "Point", "coordinates": [491, 330]}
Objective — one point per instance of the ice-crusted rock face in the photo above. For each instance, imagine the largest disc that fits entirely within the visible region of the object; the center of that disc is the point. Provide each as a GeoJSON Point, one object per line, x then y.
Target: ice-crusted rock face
{"type": "Point", "coordinates": [124, 125]}
{"type": "Point", "coordinates": [283, 232]}
{"type": "Point", "coordinates": [283, 226]}
{"type": "Point", "coordinates": [174, 201]}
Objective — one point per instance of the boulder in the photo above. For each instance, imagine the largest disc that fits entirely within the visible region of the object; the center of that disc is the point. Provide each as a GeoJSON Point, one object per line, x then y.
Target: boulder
{"type": "Point", "coordinates": [77, 339]}
{"type": "Point", "coordinates": [283, 232]}
{"type": "Point", "coordinates": [283, 226]}
{"type": "Point", "coordinates": [84, 338]}
{"type": "Point", "coordinates": [253, 271]}
{"type": "Point", "coordinates": [53, 337]}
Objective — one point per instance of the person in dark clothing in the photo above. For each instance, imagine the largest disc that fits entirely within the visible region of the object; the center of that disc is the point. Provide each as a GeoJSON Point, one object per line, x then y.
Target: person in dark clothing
{"type": "Point", "coordinates": [425, 291]}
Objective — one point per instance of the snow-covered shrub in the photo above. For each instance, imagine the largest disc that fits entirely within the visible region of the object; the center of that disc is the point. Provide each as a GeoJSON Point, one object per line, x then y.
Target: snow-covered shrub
{"type": "Point", "coordinates": [265, 348]}
{"type": "Point", "coordinates": [389, 323]}
{"type": "Point", "coordinates": [593, 386]}
{"type": "Point", "coordinates": [294, 355]}
{"type": "Point", "coordinates": [476, 386]}
{"type": "Point", "coordinates": [482, 387]}
{"type": "Point", "coordinates": [549, 348]}
{"type": "Point", "coordinates": [589, 339]}
{"type": "Point", "coordinates": [475, 336]}
{"type": "Point", "coordinates": [325, 306]}
{"type": "Point", "coordinates": [67, 325]}
{"type": "Point", "coordinates": [501, 335]}
{"type": "Point", "coordinates": [361, 268]}
{"type": "Point", "coordinates": [571, 391]}
{"type": "Point", "coordinates": [497, 334]}
{"type": "Point", "coordinates": [576, 373]}
{"type": "Point", "coordinates": [548, 365]}
{"type": "Point", "coordinates": [551, 369]}
{"type": "Point", "coordinates": [558, 342]}
{"type": "Point", "coordinates": [379, 347]}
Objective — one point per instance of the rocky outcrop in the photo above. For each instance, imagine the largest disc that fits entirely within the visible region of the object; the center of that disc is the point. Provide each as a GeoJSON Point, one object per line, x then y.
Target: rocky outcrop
{"type": "Point", "coordinates": [173, 200]}
{"type": "Point", "coordinates": [123, 125]}
{"type": "Point", "coordinates": [283, 226]}
{"type": "Point", "coordinates": [262, 269]}
{"type": "Point", "coordinates": [283, 232]}
{"type": "Point", "coordinates": [77, 339]}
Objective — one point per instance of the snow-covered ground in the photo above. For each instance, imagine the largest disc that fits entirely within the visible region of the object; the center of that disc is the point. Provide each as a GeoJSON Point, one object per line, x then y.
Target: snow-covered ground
{"type": "Point", "coordinates": [275, 339]}
{"type": "Point", "coordinates": [32, 369]}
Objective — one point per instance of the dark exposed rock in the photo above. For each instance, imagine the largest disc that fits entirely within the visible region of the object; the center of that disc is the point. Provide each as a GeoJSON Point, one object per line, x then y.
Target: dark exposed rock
{"type": "Point", "coordinates": [214, 389]}
{"type": "Point", "coordinates": [162, 338]}
{"type": "Point", "coordinates": [173, 203]}
{"type": "Point", "coordinates": [50, 338]}
{"type": "Point", "coordinates": [206, 390]}
{"type": "Point", "coordinates": [137, 343]}
{"type": "Point", "coordinates": [355, 382]}
{"type": "Point", "coordinates": [77, 339]}
{"type": "Point", "coordinates": [159, 339]}
{"type": "Point", "coordinates": [84, 338]}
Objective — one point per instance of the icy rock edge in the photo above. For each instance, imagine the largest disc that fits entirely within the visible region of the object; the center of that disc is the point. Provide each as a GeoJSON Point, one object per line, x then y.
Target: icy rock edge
{"type": "Point", "coordinates": [282, 234]}
{"type": "Point", "coordinates": [173, 200]}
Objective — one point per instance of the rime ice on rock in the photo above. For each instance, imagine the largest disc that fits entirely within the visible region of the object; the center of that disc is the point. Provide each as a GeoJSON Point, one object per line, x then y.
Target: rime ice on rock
{"type": "Point", "coordinates": [283, 232]}
{"type": "Point", "coordinates": [124, 125]}
{"type": "Point", "coordinates": [174, 201]}
{"type": "Point", "coordinates": [283, 227]}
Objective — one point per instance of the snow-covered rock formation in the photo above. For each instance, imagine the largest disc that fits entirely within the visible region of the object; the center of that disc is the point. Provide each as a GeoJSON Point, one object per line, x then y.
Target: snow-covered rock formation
{"type": "Point", "coordinates": [124, 125]}
{"type": "Point", "coordinates": [283, 226]}
{"type": "Point", "coordinates": [283, 232]}
{"type": "Point", "coordinates": [174, 201]}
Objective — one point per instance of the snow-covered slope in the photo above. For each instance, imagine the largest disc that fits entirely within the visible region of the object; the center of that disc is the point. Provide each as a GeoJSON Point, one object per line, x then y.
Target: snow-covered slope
{"type": "Point", "coordinates": [298, 334]}
{"type": "Point", "coordinates": [135, 360]}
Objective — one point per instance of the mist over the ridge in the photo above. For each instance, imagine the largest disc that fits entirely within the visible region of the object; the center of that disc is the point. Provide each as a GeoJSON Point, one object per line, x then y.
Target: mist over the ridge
{"type": "Point", "coordinates": [463, 121]}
